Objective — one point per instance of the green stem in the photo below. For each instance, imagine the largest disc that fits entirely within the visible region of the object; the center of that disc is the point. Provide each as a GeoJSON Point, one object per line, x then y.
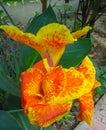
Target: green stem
{"type": "Point", "coordinates": [1, 4]}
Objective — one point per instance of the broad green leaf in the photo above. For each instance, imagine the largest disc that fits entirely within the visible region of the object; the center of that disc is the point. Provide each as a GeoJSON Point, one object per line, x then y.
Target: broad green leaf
{"type": "Point", "coordinates": [45, 18]}
{"type": "Point", "coordinates": [7, 84]}
{"type": "Point", "coordinates": [31, 58]}
{"type": "Point", "coordinates": [29, 55]}
{"type": "Point", "coordinates": [8, 122]}
{"type": "Point", "coordinates": [75, 53]}
{"type": "Point", "coordinates": [11, 102]}
{"type": "Point", "coordinates": [24, 122]}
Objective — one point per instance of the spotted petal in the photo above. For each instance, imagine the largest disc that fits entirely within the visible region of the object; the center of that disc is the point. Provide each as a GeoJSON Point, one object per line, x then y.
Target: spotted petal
{"type": "Point", "coordinates": [31, 81]}
{"type": "Point", "coordinates": [52, 38]}
{"type": "Point", "coordinates": [41, 109]}
{"type": "Point", "coordinates": [87, 108]}
{"type": "Point", "coordinates": [88, 70]}
{"type": "Point", "coordinates": [81, 32]}
{"type": "Point", "coordinates": [46, 114]}
{"type": "Point", "coordinates": [64, 85]}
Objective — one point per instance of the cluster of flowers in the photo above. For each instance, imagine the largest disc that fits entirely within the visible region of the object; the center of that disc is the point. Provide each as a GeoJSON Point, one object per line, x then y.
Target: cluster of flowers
{"type": "Point", "coordinates": [48, 89]}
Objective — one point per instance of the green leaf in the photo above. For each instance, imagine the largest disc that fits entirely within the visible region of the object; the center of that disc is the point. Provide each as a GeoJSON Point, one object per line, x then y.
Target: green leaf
{"type": "Point", "coordinates": [7, 84]}
{"type": "Point", "coordinates": [31, 58]}
{"type": "Point", "coordinates": [29, 55]}
{"type": "Point", "coordinates": [8, 122]}
{"type": "Point", "coordinates": [75, 53]}
{"type": "Point", "coordinates": [23, 120]}
{"type": "Point", "coordinates": [48, 128]}
{"type": "Point", "coordinates": [11, 102]}
{"type": "Point", "coordinates": [100, 90]}
{"type": "Point", "coordinates": [45, 18]}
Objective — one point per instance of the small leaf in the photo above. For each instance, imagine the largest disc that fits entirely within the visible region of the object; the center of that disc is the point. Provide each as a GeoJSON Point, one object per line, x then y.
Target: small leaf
{"type": "Point", "coordinates": [8, 122]}
{"type": "Point", "coordinates": [75, 53]}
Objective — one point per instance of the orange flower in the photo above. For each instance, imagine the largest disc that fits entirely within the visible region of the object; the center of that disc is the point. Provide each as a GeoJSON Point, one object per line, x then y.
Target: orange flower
{"type": "Point", "coordinates": [48, 92]}
{"type": "Point", "coordinates": [50, 40]}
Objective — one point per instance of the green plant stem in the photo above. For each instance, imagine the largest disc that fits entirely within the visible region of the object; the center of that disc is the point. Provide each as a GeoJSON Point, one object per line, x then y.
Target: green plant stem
{"type": "Point", "coordinates": [1, 4]}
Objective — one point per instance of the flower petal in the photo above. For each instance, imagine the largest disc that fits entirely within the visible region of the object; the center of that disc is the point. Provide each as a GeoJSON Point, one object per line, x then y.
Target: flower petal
{"type": "Point", "coordinates": [82, 32]}
{"type": "Point", "coordinates": [52, 38]}
{"type": "Point", "coordinates": [87, 108]}
{"type": "Point", "coordinates": [97, 83]}
{"type": "Point", "coordinates": [76, 83]}
{"type": "Point", "coordinates": [34, 100]}
{"type": "Point", "coordinates": [26, 38]}
{"type": "Point", "coordinates": [54, 35]}
{"type": "Point", "coordinates": [88, 70]}
{"type": "Point", "coordinates": [63, 85]}
{"type": "Point", "coordinates": [31, 81]}
{"type": "Point", "coordinates": [46, 114]}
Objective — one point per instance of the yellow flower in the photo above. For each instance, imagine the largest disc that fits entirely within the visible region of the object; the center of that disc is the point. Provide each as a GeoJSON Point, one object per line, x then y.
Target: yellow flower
{"type": "Point", "coordinates": [50, 40]}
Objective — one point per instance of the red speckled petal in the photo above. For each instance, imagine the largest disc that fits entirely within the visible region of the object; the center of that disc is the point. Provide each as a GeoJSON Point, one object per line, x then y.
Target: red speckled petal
{"type": "Point", "coordinates": [87, 108]}
{"type": "Point", "coordinates": [81, 32]}
{"type": "Point", "coordinates": [46, 114]}
{"type": "Point", "coordinates": [31, 81]}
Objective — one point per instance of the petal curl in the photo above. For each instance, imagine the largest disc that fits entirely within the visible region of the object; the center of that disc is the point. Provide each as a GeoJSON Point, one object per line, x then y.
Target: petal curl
{"type": "Point", "coordinates": [81, 32]}
{"type": "Point", "coordinates": [31, 81]}
{"type": "Point", "coordinates": [87, 108]}
{"type": "Point", "coordinates": [46, 114]}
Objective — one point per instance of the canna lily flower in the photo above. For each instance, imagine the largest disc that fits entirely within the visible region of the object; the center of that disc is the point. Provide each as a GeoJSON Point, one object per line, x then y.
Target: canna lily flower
{"type": "Point", "coordinates": [50, 40]}
{"type": "Point", "coordinates": [48, 92]}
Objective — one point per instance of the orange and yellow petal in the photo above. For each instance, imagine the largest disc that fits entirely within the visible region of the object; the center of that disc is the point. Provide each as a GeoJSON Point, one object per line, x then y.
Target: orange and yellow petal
{"type": "Point", "coordinates": [25, 38]}
{"type": "Point", "coordinates": [97, 83]}
{"type": "Point", "coordinates": [55, 35]}
{"type": "Point", "coordinates": [54, 82]}
{"type": "Point", "coordinates": [87, 108]}
{"type": "Point", "coordinates": [46, 114]}
{"type": "Point", "coordinates": [32, 80]}
{"type": "Point", "coordinates": [75, 83]}
{"type": "Point", "coordinates": [52, 38]}
{"type": "Point", "coordinates": [81, 32]}
{"type": "Point", "coordinates": [88, 70]}
{"type": "Point", "coordinates": [63, 85]}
